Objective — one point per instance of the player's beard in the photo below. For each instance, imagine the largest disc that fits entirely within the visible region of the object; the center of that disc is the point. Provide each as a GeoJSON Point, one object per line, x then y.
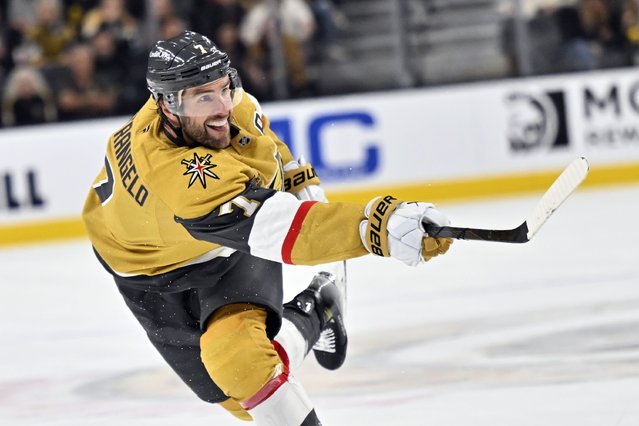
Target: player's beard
{"type": "Point", "coordinates": [196, 132]}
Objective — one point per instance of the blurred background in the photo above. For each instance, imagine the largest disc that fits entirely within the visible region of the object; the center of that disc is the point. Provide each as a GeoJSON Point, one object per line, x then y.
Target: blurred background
{"type": "Point", "coordinates": [475, 105]}
{"type": "Point", "coordinates": [64, 60]}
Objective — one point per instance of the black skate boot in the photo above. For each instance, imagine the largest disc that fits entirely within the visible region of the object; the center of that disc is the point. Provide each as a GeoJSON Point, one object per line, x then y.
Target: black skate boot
{"type": "Point", "coordinates": [323, 297]}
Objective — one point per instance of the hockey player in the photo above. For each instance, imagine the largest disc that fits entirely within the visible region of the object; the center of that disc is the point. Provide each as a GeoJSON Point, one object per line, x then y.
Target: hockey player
{"type": "Point", "coordinates": [198, 205]}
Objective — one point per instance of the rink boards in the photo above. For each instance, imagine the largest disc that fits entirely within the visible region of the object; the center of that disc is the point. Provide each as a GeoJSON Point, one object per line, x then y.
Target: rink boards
{"type": "Point", "coordinates": [443, 144]}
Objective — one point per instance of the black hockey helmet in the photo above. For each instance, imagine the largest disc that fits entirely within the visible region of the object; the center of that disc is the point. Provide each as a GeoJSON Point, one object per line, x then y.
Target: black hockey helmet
{"type": "Point", "coordinates": [187, 60]}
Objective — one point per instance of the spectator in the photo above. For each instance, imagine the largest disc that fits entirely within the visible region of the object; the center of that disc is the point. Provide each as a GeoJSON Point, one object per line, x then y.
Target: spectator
{"type": "Point", "coordinates": [209, 15]}
{"type": "Point", "coordinates": [326, 35]}
{"type": "Point", "coordinates": [76, 10]}
{"type": "Point", "coordinates": [602, 22]}
{"type": "Point", "coordinates": [169, 23]}
{"type": "Point", "coordinates": [574, 54]}
{"type": "Point", "coordinates": [27, 99]}
{"type": "Point", "coordinates": [112, 16]}
{"type": "Point", "coordinates": [295, 20]}
{"type": "Point", "coordinates": [78, 93]}
{"type": "Point", "coordinates": [3, 61]}
{"type": "Point", "coordinates": [20, 16]}
{"type": "Point", "coordinates": [50, 33]}
{"type": "Point", "coordinates": [137, 8]}
{"type": "Point", "coordinates": [220, 20]}
{"type": "Point", "coordinates": [110, 67]}
{"type": "Point", "coordinates": [171, 27]}
{"type": "Point", "coordinates": [22, 13]}
{"type": "Point", "coordinates": [162, 10]}
{"type": "Point", "coordinates": [545, 41]}
{"type": "Point", "coordinates": [254, 79]}
{"type": "Point", "coordinates": [630, 21]}
{"type": "Point", "coordinates": [122, 74]}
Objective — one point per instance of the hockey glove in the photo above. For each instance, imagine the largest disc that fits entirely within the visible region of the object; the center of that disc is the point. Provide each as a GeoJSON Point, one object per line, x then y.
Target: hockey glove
{"type": "Point", "coordinates": [394, 228]}
{"type": "Point", "coordinates": [301, 180]}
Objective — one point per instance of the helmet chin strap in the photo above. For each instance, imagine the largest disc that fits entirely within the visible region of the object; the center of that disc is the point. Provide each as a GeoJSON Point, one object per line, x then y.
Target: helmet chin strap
{"type": "Point", "coordinates": [178, 137]}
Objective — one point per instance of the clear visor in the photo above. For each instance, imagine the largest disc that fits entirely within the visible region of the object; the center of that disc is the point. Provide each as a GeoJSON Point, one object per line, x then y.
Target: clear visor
{"type": "Point", "coordinates": [216, 98]}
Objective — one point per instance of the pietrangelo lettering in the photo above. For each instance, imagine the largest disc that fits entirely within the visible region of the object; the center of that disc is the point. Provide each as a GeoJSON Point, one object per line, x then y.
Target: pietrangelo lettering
{"type": "Point", "coordinates": [128, 172]}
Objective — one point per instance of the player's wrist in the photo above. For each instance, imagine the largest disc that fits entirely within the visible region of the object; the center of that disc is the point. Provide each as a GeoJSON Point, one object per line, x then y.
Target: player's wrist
{"type": "Point", "coordinates": [393, 228]}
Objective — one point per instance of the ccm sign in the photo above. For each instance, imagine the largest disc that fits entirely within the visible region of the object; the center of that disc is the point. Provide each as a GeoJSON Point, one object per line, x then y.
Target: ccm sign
{"type": "Point", "coordinates": [315, 131]}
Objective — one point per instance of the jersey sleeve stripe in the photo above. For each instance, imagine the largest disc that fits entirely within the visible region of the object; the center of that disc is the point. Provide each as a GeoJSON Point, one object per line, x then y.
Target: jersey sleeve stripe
{"type": "Point", "coordinates": [294, 230]}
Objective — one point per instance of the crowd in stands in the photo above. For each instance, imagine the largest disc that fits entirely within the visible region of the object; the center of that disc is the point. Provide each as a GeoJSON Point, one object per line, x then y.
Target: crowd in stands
{"type": "Point", "coordinates": [581, 35]}
{"type": "Point", "coordinates": [77, 59]}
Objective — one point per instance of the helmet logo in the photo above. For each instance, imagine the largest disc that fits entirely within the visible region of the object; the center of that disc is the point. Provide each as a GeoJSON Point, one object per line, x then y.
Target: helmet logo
{"type": "Point", "coordinates": [211, 65]}
{"type": "Point", "coordinates": [161, 53]}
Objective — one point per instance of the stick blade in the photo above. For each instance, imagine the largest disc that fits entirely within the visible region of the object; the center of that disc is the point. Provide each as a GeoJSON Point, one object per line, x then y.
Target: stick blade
{"type": "Point", "coordinates": [562, 187]}
{"type": "Point", "coordinates": [515, 235]}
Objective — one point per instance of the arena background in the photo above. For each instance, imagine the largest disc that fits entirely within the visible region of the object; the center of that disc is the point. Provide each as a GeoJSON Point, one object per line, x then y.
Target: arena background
{"type": "Point", "coordinates": [462, 103]}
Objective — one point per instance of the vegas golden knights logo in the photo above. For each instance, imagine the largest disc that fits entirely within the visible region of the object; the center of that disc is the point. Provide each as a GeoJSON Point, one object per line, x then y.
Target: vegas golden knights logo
{"type": "Point", "coordinates": [199, 168]}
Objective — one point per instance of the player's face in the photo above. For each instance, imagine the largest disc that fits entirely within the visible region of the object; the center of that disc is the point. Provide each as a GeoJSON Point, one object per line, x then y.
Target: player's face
{"type": "Point", "coordinates": [206, 114]}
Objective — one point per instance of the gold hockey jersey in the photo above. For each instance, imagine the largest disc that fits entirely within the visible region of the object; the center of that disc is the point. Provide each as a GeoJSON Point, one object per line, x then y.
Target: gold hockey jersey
{"type": "Point", "coordinates": [156, 205]}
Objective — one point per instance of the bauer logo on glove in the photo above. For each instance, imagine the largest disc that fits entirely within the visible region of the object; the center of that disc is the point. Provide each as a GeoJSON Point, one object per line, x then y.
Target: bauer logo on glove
{"type": "Point", "coordinates": [301, 180]}
{"type": "Point", "coordinates": [376, 236]}
{"type": "Point", "coordinates": [297, 179]}
{"type": "Point", "coordinates": [394, 228]}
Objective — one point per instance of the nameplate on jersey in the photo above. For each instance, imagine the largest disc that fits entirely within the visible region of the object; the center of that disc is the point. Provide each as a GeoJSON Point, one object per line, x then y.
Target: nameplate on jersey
{"type": "Point", "coordinates": [126, 167]}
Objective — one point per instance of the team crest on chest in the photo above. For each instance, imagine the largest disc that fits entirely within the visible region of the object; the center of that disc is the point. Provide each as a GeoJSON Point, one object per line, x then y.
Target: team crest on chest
{"type": "Point", "coordinates": [199, 168]}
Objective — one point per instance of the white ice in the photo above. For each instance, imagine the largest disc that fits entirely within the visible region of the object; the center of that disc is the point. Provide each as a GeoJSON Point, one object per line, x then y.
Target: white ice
{"type": "Point", "coordinates": [544, 333]}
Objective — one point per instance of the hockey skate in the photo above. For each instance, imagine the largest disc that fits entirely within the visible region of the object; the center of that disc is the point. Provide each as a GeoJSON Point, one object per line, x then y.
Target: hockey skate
{"type": "Point", "coordinates": [323, 296]}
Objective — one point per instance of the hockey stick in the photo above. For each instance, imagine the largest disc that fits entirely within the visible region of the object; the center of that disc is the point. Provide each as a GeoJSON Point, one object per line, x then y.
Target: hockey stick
{"type": "Point", "coordinates": [561, 188]}
{"type": "Point", "coordinates": [342, 284]}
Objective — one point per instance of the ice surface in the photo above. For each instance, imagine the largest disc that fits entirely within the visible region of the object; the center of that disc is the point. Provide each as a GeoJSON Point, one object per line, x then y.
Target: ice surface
{"type": "Point", "coordinates": [544, 333]}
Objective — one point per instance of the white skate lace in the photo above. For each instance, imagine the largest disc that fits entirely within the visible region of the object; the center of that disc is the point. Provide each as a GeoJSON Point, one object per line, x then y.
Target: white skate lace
{"type": "Point", "coordinates": [326, 341]}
